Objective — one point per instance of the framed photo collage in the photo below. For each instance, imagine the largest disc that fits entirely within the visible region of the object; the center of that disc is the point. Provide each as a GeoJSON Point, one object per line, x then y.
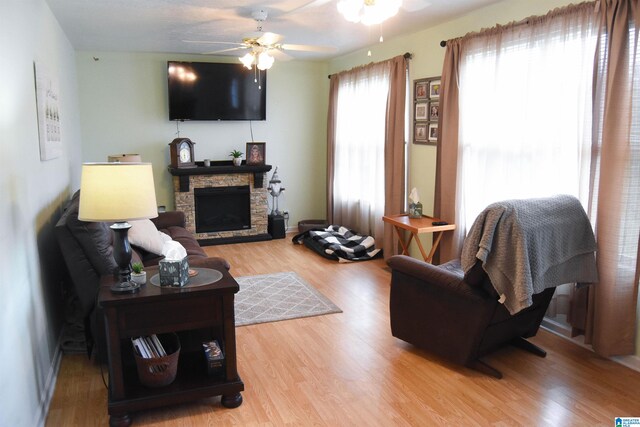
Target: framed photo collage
{"type": "Point", "coordinates": [426, 110]}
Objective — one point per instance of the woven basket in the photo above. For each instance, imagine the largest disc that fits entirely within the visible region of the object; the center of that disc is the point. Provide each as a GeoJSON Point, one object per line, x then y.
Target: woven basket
{"type": "Point", "coordinates": [160, 371]}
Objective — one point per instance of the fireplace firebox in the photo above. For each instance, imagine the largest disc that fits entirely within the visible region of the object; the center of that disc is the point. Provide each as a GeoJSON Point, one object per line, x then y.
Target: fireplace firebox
{"type": "Point", "coordinates": [222, 208]}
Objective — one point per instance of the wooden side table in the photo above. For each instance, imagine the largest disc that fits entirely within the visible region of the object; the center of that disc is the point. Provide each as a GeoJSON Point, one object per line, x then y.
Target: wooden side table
{"type": "Point", "coordinates": [418, 226]}
{"type": "Point", "coordinates": [196, 314]}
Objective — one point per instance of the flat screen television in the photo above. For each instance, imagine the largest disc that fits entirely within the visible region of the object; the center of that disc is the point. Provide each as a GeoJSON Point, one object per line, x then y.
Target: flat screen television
{"type": "Point", "coordinates": [215, 91]}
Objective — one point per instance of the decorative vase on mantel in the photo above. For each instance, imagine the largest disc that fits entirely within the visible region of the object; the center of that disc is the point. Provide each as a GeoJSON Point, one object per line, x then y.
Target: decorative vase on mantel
{"type": "Point", "coordinates": [237, 161]}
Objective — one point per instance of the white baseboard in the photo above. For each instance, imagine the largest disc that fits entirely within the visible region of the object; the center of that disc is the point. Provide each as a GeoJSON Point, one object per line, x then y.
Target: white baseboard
{"type": "Point", "coordinates": [631, 362]}
{"type": "Point", "coordinates": [49, 386]}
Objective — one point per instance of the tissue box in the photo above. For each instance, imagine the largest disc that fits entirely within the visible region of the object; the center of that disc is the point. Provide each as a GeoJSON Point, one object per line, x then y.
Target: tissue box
{"type": "Point", "coordinates": [173, 272]}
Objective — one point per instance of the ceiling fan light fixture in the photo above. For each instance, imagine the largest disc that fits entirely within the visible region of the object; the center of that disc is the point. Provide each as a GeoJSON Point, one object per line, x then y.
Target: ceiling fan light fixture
{"type": "Point", "coordinates": [350, 9]}
{"type": "Point", "coordinates": [265, 61]}
{"type": "Point", "coordinates": [369, 12]}
{"type": "Point", "coordinates": [247, 60]}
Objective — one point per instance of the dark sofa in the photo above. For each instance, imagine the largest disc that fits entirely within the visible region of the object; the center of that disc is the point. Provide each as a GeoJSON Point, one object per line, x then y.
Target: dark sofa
{"type": "Point", "coordinates": [87, 248]}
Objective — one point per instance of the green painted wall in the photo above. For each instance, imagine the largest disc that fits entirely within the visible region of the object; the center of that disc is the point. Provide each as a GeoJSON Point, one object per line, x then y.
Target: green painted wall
{"type": "Point", "coordinates": [123, 100]}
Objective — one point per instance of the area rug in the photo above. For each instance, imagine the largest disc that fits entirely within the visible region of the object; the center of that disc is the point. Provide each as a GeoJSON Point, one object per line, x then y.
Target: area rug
{"type": "Point", "coordinates": [280, 296]}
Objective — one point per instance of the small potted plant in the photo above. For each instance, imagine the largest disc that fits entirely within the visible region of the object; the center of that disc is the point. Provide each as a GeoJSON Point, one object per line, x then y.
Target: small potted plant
{"type": "Point", "coordinates": [237, 157]}
{"type": "Point", "coordinates": [138, 275]}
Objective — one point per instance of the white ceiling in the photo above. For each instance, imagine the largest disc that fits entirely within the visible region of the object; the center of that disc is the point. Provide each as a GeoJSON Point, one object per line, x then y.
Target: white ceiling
{"type": "Point", "coordinates": [163, 25]}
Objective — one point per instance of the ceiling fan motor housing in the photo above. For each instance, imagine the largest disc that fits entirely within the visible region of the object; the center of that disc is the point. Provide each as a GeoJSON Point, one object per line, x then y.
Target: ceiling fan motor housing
{"type": "Point", "coordinates": [259, 15]}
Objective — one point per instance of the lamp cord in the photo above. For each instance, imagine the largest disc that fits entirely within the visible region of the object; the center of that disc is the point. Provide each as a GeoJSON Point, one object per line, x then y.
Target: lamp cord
{"type": "Point", "coordinates": [251, 129]}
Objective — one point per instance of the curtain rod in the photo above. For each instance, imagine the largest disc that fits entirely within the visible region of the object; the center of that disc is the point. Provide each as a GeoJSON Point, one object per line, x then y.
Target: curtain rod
{"type": "Point", "coordinates": [525, 21]}
{"type": "Point", "coordinates": [531, 19]}
{"type": "Point", "coordinates": [407, 55]}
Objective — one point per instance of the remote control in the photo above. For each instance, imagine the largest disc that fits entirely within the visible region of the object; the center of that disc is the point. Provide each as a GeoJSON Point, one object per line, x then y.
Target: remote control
{"type": "Point", "coordinates": [439, 223]}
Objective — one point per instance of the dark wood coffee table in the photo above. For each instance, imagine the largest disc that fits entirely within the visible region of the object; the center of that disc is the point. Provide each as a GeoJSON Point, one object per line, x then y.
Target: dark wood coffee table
{"type": "Point", "coordinates": [196, 314]}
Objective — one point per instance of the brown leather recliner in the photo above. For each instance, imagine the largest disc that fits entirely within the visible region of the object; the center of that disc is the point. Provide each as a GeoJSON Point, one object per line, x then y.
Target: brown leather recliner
{"type": "Point", "coordinates": [455, 317]}
{"type": "Point", "coordinates": [515, 254]}
{"type": "Point", "coordinates": [87, 248]}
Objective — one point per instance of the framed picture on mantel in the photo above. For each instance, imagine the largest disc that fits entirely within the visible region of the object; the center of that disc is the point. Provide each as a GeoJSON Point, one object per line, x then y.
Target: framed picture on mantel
{"type": "Point", "coordinates": [256, 153]}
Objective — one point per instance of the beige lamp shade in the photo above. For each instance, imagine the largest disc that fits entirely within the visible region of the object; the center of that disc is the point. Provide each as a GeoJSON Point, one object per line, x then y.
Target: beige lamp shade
{"type": "Point", "coordinates": [117, 192]}
{"type": "Point", "coordinates": [124, 158]}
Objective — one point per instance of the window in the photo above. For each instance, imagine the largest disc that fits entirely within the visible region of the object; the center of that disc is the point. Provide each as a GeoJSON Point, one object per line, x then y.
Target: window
{"type": "Point", "coordinates": [525, 113]}
{"type": "Point", "coordinates": [358, 185]}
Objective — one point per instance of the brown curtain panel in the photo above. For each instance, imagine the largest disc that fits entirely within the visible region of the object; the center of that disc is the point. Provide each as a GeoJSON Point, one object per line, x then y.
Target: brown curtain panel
{"type": "Point", "coordinates": [394, 151]}
{"type": "Point", "coordinates": [331, 142]}
{"type": "Point", "coordinates": [447, 154]}
{"type": "Point", "coordinates": [615, 191]}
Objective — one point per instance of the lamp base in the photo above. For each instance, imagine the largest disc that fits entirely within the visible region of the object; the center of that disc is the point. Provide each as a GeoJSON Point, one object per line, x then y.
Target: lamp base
{"type": "Point", "coordinates": [125, 288]}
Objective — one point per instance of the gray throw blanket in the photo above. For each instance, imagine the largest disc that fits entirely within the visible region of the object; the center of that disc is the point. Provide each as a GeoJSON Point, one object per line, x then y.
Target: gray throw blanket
{"type": "Point", "coordinates": [529, 245]}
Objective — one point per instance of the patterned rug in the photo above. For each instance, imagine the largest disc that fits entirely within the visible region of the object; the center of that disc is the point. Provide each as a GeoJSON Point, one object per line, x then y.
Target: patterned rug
{"type": "Point", "coordinates": [280, 296]}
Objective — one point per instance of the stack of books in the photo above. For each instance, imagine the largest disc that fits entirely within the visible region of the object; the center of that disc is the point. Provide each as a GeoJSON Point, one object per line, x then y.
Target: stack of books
{"type": "Point", "coordinates": [148, 348]}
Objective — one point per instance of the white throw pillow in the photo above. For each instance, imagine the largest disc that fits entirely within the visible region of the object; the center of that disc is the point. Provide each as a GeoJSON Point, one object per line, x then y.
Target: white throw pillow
{"type": "Point", "coordinates": [143, 233]}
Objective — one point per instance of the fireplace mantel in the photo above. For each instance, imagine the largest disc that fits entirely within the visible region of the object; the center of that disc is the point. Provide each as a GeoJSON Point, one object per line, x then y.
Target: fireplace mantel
{"type": "Point", "coordinates": [221, 167]}
{"type": "Point", "coordinates": [223, 174]}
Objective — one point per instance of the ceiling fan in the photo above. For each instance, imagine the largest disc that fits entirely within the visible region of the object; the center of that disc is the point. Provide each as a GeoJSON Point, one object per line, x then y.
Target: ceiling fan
{"type": "Point", "coordinates": [262, 46]}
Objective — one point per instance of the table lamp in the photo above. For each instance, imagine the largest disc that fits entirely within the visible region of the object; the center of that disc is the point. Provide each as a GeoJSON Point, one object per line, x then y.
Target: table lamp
{"type": "Point", "coordinates": [118, 192]}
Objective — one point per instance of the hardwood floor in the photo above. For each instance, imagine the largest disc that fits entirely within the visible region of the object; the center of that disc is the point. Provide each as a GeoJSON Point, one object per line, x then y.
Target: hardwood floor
{"type": "Point", "coordinates": [347, 369]}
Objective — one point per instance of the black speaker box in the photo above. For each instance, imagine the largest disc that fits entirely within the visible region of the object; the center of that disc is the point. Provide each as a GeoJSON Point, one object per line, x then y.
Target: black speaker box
{"type": "Point", "coordinates": [275, 226]}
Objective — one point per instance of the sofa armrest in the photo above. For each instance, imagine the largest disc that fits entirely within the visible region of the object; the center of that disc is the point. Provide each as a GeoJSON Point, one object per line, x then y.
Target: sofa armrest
{"type": "Point", "coordinates": [168, 219]}
{"type": "Point", "coordinates": [213, 262]}
{"type": "Point", "coordinates": [431, 275]}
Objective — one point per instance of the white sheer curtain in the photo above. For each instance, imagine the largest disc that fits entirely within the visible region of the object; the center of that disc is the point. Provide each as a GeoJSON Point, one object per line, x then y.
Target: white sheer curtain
{"type": "Point", "coordinates": [525, 113]}
{"type": "Point", "coordinates": [520, 118]}
{"type": "Point", "coordinates": [358, 187]}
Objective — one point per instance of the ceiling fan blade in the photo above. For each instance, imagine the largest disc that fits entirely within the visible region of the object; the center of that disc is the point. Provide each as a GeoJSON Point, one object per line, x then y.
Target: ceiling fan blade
{"type": "Point", "coordinates": [268, 39]}
{"type": "Point", "coordinates": [280, 55]}
{"type": "Point", "coordinates": [231, 49]}
{"type": "Point", "coordinates": [415, 5]}
{"type": "Point", "coordinates": [308, 48]}
{"type": "Point", "coordinates": [309, 5]}
{"type": "Point", "coordinates": [211, 42]}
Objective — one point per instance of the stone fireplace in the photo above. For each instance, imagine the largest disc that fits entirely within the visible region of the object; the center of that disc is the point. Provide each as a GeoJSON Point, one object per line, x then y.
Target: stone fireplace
{"type": "Point", "coordinates": [223, 203]}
